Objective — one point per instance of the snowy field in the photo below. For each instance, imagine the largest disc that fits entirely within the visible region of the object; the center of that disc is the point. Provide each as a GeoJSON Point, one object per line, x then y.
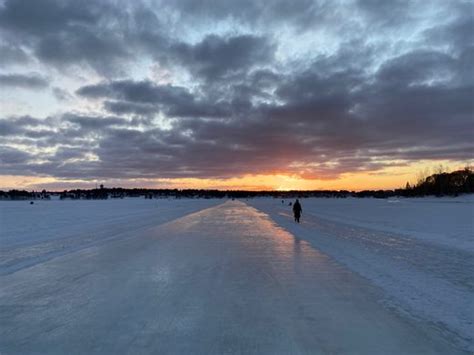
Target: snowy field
{"type": "Point", "coordinates": [420, 251]}
{"type": "Point", "coordinates": [46, 229]}
{"type": "Point", "coordinates": [136, 276]}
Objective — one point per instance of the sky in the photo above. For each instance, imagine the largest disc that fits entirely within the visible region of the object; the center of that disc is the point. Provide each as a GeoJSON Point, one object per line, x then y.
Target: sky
{"type": "Point", "coordinates": [248, 94]}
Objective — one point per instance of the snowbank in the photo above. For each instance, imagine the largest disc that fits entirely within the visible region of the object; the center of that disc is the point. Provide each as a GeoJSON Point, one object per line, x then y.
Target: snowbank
{"type": "Point", "coordinates": [419, 251]}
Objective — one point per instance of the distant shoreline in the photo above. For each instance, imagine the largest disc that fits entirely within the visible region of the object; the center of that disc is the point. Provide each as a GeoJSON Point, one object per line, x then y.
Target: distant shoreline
{"type": "Point", "coordinates": [442, 184]}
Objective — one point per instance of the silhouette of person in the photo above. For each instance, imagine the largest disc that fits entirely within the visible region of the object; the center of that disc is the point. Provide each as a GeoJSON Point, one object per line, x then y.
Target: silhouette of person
{"type": "Point", "coordinates": [297, 210]}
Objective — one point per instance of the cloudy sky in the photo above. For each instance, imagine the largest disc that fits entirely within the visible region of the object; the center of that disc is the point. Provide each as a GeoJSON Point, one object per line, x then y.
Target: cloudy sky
{"type": "Point", "coordinates": [234, 94]}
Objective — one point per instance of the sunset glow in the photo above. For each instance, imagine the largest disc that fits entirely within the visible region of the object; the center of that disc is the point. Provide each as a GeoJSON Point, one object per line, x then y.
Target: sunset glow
{"type": "Point", "coordinates": [385, 179]}
{"type": "Point", "coordinates": [253, 95]}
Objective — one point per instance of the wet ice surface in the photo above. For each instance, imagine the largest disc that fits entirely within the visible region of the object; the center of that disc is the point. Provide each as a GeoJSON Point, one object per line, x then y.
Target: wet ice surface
{"type": "Point", "coordinates": [419, 251]}
{"type": "Point", "coordinates": [222, 280]}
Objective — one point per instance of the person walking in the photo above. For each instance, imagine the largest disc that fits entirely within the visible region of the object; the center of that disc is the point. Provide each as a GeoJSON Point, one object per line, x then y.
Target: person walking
{"type": "Point", "coordinates": [297, 210]}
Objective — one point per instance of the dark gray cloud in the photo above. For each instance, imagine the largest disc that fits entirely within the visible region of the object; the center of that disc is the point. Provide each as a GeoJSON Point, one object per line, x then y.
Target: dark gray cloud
{"type": "Point", "coordinates": [145, 97]}
{"type": "Point", "coordinates": [143, 92]}
{"type": "Point", "coordinates": [67, 32]}
{"type": "Point", "coordinates": [45, 16]}
{"type": "Point", "coordinates": [102, 51]}
{"type": "Point", "coordinates": [259, 13]}
{"type": "Point", "coordinates": [217, 57]}
{"type": "Point", "coordinates": [456, 34]}
{"type": "Point", "coordinates": [7, 128]}
{"type": "Point", "coordinates": [12, 54]}
{"type": "Point", "coordinates": [388, 13]}
{"type": "Point", "coordinates": [417, 67]}
{"type": "Point", "coordinates": [94, 123]}
{"type": "Point", "coordinates": [314, 88]}
{"type": "Point", "coordinates": [10, 156]}
{"type": "Point", "coordinates": [25, 81]}
{"type": "Point", "coordinates": [61, 94]}
{"type": "Point", "coordinates": [127, 107]}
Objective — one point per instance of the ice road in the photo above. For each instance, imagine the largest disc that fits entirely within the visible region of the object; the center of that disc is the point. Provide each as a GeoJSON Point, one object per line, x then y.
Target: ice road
{"type": "Point", "coordinates": [224, 280]}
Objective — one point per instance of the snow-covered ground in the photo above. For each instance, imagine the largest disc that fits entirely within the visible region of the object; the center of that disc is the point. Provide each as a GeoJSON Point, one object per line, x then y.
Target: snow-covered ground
{"type": "Point", "coordinates": [35, 233]}
{"type": "Point", "coordinates": [446, 220]}
{"type": "Point", "coordinates": [419, 251]}
{"type": "Point", "coordinates": [136, 276]}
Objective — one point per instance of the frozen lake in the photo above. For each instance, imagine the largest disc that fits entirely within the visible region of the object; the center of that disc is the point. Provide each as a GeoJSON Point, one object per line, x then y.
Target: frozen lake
{"type": "Point", "coordinates": [213, 276]}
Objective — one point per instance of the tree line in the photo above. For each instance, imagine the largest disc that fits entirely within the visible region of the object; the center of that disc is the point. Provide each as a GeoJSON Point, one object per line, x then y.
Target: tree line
{"type": "Point", "coordinates": [438, 184]}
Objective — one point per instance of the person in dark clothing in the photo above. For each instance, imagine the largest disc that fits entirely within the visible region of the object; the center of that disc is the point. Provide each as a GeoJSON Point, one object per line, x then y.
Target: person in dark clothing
{"type": "Point", "coordinates": [297, 210]}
